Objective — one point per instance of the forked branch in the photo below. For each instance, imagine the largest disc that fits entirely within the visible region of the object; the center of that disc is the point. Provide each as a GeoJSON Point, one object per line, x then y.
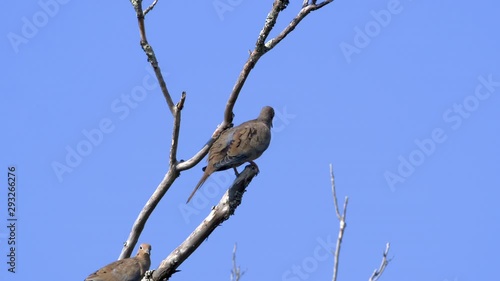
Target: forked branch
{"type": "Point", "coordinates": [378, 272]}
{"type": "Point", "coordinates": [342, 227]}
{"type": "Point", "coordinates": [162, 188]}
{"type": "Point", "coordinates": [261, 48]}
{"type": "Point", "coordinates": [150, 7]}
{"type": "Point", "coordinates": [236, 271]}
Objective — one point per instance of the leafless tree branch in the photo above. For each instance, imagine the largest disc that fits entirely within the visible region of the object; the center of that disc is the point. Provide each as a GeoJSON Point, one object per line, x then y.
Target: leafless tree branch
{"type": "Point", "coordinates": [188, 164]}
{"type": "Point", "coordinates": [148, 49]}
{"type": "Point", "coordinates": [378, 272]}
{"type": "Point", "coordinates": [342, 227]}
{"type": "Point", "coordinates": [291, 26]}
{"type": "Point", "coordinates": [226, 207]}
{"type": "Point", "coordinates": [160, 191]}
{"type": "Point", "coordinates": [236, 272]}
{"type": "Point", "coordinates": [255, 55]}
{"type": "Point", "coordinates": [150, 7]}
{"type": "Point", "coordinates": [176, 129]}
{"type": "Point", "coordinates": [261, 48]}
{"type": "Point", "coordinates": [334, 193]}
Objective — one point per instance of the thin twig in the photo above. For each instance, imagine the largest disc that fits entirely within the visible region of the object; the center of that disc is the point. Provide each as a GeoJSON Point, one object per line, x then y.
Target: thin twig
{"type": "Point", "coordinates": [236, 272]}
{"type": "Point", "coordinates": [177, 125]}
{"type": "Point", "coordinates": [272, 17]}
{"type": "Point", "coordinates": [148, 49]}
{"type": "Point", "coordinates": [378, 272]}
{"type": "Point", "coordinates": [188, 164]}
{"type": "Point", "coordinates": [332, 180]}
{"type": "Point", "coordinates": [150, 7]}
{"type": "Point", "coordinates": [226, 207]}
{"type": "Point", "coordinates": [291, 26]}
{"type": "Point", "coordinates": [342, 227]}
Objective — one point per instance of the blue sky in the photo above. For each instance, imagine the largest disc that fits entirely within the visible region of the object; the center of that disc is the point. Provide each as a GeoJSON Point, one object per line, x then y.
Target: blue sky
{"type": "Point", "coordinates": [400, 96]}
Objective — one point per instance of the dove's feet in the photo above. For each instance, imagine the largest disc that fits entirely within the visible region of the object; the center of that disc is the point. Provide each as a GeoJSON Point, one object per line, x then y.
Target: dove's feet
{"type": "Point", "coordinates": [236, 172]}
{"type": "Point", "coordinates": [255, 166]}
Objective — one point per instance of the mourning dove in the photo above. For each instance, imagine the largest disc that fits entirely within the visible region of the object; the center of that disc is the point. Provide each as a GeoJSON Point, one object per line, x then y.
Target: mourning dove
{"type": "Point", "coordinates": [240, 144]}
{"type": "Point", "coordinates": [131, 269]}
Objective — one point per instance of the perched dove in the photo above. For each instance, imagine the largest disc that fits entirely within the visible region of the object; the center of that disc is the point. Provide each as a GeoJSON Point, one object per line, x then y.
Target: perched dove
{"type": "Point", "coordinates": [131, 269]}
{"type": "Point", "coordinates": [240, 144]}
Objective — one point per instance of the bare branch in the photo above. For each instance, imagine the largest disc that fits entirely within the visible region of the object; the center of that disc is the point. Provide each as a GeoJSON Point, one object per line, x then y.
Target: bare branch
{"type": "Point", "coordinates": [271, 19]}
{"type": "Point", "coordinates": [150, 7]}
{"type": "Point", "coordinates": [184, 165]}
{"type": "Point", "coordinates": [255, 55]}
{"type": "Point", "coordinates": [226, 207]}
{"type": "Point", "coordinates": [342, 227]}
{"type": "Point", "coordinates": [160, 191]}
{"type": "Point", "coordinates": [378, 272]}
{"type": "Point", "coordinates": [339, 241]}
{"type": "Point", "coordinates": [176, 129]}
{"type": "Point", "coordinates": [188, 164]}
{"type": "Point", "coordinates": [261, 48]}
{"type": "Point", "coordinates": [291, 26]}
{"type": "Point", "coordinates": [332, 180]}
{"type": "Point", "coordinates": [148, 49]}
{"type": "Point", "coordinates": [236, 272]}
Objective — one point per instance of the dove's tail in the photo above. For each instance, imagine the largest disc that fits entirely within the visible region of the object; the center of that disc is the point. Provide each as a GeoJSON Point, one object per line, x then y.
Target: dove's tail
{"type": "Point", "coordinates": [200, 183]}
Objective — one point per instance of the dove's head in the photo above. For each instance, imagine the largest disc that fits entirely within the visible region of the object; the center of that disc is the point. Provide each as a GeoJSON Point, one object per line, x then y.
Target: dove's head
{"type": "Point", "coordinates": [267, 115]}
{"type": "Point", "coordinates": [144, 249]}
